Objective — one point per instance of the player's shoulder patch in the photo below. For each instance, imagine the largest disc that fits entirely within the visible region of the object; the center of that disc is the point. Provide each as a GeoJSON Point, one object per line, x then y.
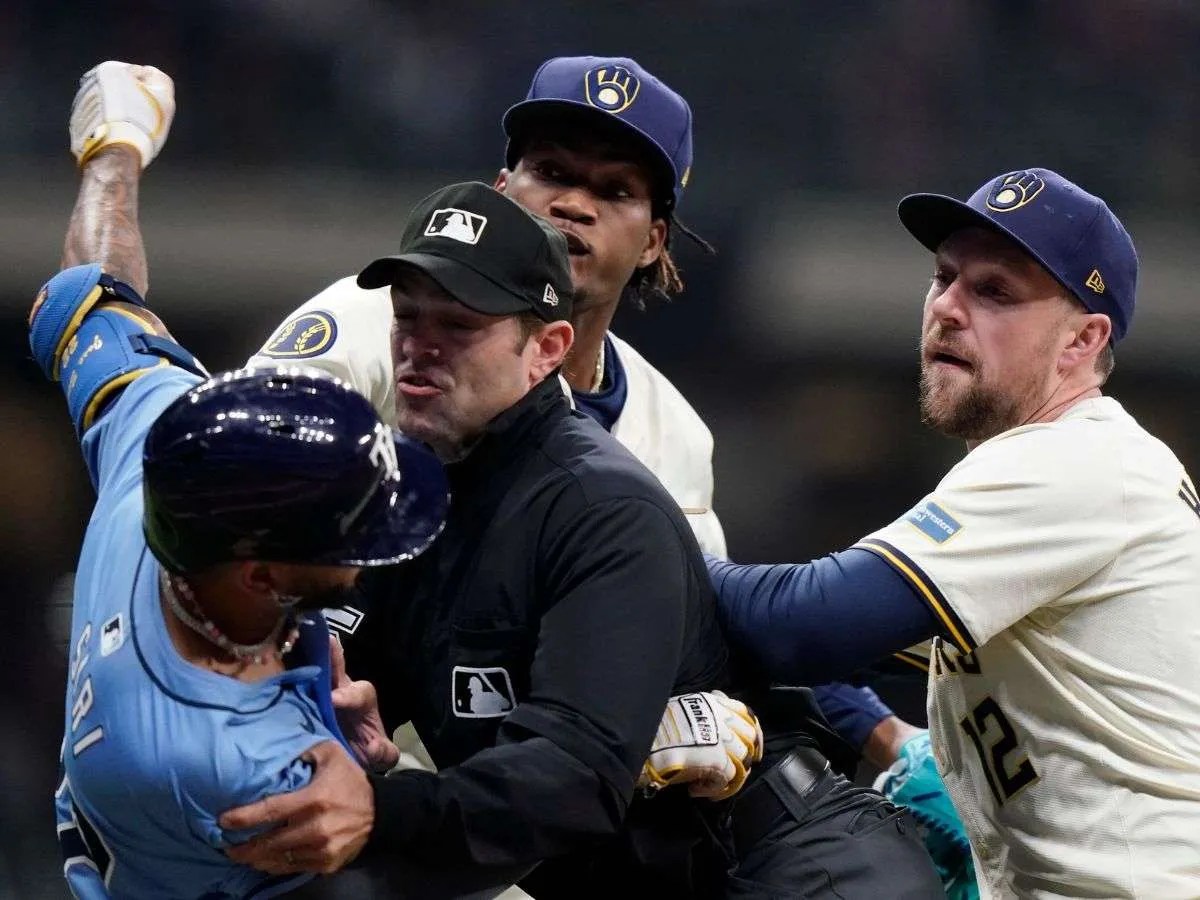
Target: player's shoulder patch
{"type": "Point", "coordinates": [933, 521]}
{"type": "Point", "coordinates": [304, 335]}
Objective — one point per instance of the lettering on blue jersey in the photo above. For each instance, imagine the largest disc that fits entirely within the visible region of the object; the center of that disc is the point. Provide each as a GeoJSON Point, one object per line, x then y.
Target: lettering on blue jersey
{"type": "Point", "coordinates": [85, 697]}
{"type": "Point", "coordinates": [82, 705]}
{"type": "Point", "coordinates": [933, 521]}
{"type": "Point", "coordinates": [92, 737]}
{"type": "Point", "coordinates": [80, 656]}
{"type": "Point", "coordinates": [1187, 493]}
{"type": "Point", "coordinates": [305, 335]}
{"type": "Point", "coordinates": [482, 693]}
{"type": "Point", "coordinates": [112, 635]}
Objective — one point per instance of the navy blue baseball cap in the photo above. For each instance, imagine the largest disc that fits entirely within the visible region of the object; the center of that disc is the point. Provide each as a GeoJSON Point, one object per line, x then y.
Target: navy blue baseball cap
{"type": "Point", "coordinates": [1071, 233]}
{"type": "Point", "coordinates": [621, 90]}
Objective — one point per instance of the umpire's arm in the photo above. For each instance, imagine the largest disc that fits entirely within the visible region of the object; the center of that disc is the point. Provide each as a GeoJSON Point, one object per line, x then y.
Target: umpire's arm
{"type": "Point", "coordinates": [563, 770]}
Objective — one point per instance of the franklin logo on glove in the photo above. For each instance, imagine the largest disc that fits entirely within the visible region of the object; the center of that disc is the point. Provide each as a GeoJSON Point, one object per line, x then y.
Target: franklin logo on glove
{"type": "Point", "coordinates": [706, 741]}
{"type": "Point", "coordinates": [699, 716]}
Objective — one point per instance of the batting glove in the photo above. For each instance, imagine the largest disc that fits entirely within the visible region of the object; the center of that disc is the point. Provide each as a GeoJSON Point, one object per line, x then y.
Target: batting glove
{"type": "Point", "coordinates": [120, 103]}
{"type": "Point", "coordinates": [913, 781]}
{"type": "Point", "coordinates": [707, 741]}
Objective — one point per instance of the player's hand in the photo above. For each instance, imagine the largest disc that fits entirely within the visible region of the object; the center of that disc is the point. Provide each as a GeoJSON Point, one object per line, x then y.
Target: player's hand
{"type": "Point", "coordinates": [707, 741]}
{"type": "Point", "coordinates": [913, 781]}
{"type": "Point", "coordinates": [357, 707]}
{"type": "Point", "coordinates": [120, 103]}
{"type": "Point", "coordinates": [319, 828]}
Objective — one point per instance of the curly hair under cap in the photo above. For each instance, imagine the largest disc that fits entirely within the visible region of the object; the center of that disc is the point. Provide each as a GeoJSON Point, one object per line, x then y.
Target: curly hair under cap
{"type": "Point", "coordinates": [661, 279]}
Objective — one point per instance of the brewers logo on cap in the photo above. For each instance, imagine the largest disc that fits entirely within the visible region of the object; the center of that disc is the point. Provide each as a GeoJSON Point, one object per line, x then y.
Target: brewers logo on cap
{"type": "Point", "coordinates": [611, 88]}
{"type": "Point", "coordinates": [305, 335]}
{"type": "Point", "coordinates": [1014, 190]}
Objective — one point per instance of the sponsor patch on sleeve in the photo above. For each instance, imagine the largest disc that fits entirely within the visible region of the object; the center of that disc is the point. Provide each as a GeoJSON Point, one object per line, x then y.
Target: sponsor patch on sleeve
{"type": "Point", "coordinates": [930, 519]}
{"type": "Point", "coordinates": [302, 336]}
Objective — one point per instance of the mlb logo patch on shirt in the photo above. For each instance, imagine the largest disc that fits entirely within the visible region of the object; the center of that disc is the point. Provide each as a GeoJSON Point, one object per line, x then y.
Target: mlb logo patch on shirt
{"type": "Point", "coordinates": [112, 635]}
{"type": "Point", "coordinates": [482, 693]}
{"type": "Point", "coordinates": [936, 524]}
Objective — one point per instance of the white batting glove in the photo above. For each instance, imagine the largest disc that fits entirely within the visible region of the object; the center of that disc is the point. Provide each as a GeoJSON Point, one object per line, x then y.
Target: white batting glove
{"type": "Point", "coordinates": [120, 103]}
{"type": "Point", "coordinates": [707, 741]}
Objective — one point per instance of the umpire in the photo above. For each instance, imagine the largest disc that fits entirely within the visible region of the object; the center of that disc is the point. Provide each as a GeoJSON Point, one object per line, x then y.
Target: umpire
{"type": "Point", "coordinates": [535, 645]}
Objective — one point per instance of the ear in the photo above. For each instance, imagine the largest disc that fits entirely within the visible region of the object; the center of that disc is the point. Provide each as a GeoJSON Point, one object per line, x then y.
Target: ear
{"type": "Point", "coordinates": [655, 241]}
{"type": "Point", "coordinates": [501, 182]}
{"type": "Point", "coordinates": [1091, 335]}
{"type": "Point", "coordinates": [549, 345]}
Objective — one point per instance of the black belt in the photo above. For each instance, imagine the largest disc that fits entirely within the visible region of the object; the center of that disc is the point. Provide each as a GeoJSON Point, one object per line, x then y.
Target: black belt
{"type": "Point", "coordinates": [760, 806]}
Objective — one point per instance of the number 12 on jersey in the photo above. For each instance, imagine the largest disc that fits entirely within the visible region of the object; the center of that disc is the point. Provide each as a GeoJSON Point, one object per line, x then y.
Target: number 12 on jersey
{"type": "Point", "coordinates": [993, 750]}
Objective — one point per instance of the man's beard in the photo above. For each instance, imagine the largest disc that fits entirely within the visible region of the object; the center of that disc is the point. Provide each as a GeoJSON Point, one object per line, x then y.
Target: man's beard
{"type": "Point", "coordinates": [980, 412]}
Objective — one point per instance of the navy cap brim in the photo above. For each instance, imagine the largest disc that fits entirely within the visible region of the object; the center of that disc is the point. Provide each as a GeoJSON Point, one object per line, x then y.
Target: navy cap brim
{"type": "Point", "coordinates": [409, 516]}
{"type": "Point", "coordinates": [459, 280]}
{"type": "Point", "coordinates": [525, 115]}
{"type": "Point", "coordinates": [931, 218]}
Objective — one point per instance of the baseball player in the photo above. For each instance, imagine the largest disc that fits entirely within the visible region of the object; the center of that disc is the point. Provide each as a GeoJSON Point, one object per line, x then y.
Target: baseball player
{"type": "Point", "coordinates": [217, 537]}
{"type": "Point", "coordinates": [1056, 565]}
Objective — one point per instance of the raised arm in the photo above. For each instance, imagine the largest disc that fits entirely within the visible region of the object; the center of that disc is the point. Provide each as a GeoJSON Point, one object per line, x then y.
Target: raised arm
{"type": "Point", "coordinates": [119, 121]}
{"type": "Point", "coordinates": [89, 328]}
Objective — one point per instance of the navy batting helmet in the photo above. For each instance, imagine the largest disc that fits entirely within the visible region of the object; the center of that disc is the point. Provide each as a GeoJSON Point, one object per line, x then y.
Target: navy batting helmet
{"type": "Point", "coordinates": [288, 465]}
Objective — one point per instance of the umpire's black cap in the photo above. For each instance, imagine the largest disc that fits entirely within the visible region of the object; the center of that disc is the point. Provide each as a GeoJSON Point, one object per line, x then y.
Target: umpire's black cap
{"type": "Point", "coordinates": [485, 251]}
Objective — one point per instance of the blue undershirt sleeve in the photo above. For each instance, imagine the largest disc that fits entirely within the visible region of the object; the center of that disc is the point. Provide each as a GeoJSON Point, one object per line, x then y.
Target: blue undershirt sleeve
{"type": "Point", "coordinates": [852, 711]}
{"type": "Point", "coordinates": [814, 622]}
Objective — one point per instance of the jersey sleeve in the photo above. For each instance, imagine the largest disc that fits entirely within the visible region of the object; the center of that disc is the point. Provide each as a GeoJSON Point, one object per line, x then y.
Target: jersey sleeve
{"type": "Point", "coordinates": [344, 331]}
{"type": "Point", "coordinates": [262, 761]}
{"type": "Point", "coordinates": [268, 765]}
{"type": "Point", "coordinates": [1015, 526]}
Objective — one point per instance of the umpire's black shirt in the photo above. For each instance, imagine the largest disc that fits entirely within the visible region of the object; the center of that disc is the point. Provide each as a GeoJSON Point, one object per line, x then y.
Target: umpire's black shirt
{"type": "Point", "coordinates": [534, 647]}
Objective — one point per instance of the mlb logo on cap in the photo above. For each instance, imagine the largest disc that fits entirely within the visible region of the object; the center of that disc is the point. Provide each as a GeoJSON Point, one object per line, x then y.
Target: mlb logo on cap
{"type": "Point", "coordinates": [456, 224]}
{"type": "Point", "coordinates": [523, 266]}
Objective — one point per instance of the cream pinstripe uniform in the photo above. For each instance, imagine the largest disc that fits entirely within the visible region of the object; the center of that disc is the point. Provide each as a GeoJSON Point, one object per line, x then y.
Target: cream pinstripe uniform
{"type": "Point", "coordinates": [1064, 558]}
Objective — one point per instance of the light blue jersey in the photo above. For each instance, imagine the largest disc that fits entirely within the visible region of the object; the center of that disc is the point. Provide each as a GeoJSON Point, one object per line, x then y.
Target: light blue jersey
{"type": "Point", "coordinates": [155, 748]}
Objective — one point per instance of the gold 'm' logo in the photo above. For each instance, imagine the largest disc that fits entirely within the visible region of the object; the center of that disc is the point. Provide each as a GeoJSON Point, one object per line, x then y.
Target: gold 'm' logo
{"type": "Point", "coordinates": [1095, 281]}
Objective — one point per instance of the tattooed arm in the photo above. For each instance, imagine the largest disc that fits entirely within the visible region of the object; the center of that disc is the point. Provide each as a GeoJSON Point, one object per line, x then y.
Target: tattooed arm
{"type": "Point", "coordinates": [104, 224]}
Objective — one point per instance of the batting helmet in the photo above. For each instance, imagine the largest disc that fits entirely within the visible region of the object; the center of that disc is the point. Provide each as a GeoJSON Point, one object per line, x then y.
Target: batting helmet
{"type": "Point", "coordinates": [288, 465]}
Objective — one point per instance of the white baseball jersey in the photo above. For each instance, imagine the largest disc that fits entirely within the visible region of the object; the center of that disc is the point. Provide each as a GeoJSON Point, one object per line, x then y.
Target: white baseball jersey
{"type": "Point", "coordinates": [1064, 558]}
{"type": "Point", "coordinates": [346, 331]}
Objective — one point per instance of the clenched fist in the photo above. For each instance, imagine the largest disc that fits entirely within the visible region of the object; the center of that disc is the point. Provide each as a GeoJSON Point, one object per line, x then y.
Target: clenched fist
{"type": "Point", "coordinates": [121, 103]}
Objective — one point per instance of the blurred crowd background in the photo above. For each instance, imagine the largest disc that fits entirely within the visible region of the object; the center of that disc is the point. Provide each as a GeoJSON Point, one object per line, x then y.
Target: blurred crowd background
{"type": "Point", "coordinates": [306, 129]}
